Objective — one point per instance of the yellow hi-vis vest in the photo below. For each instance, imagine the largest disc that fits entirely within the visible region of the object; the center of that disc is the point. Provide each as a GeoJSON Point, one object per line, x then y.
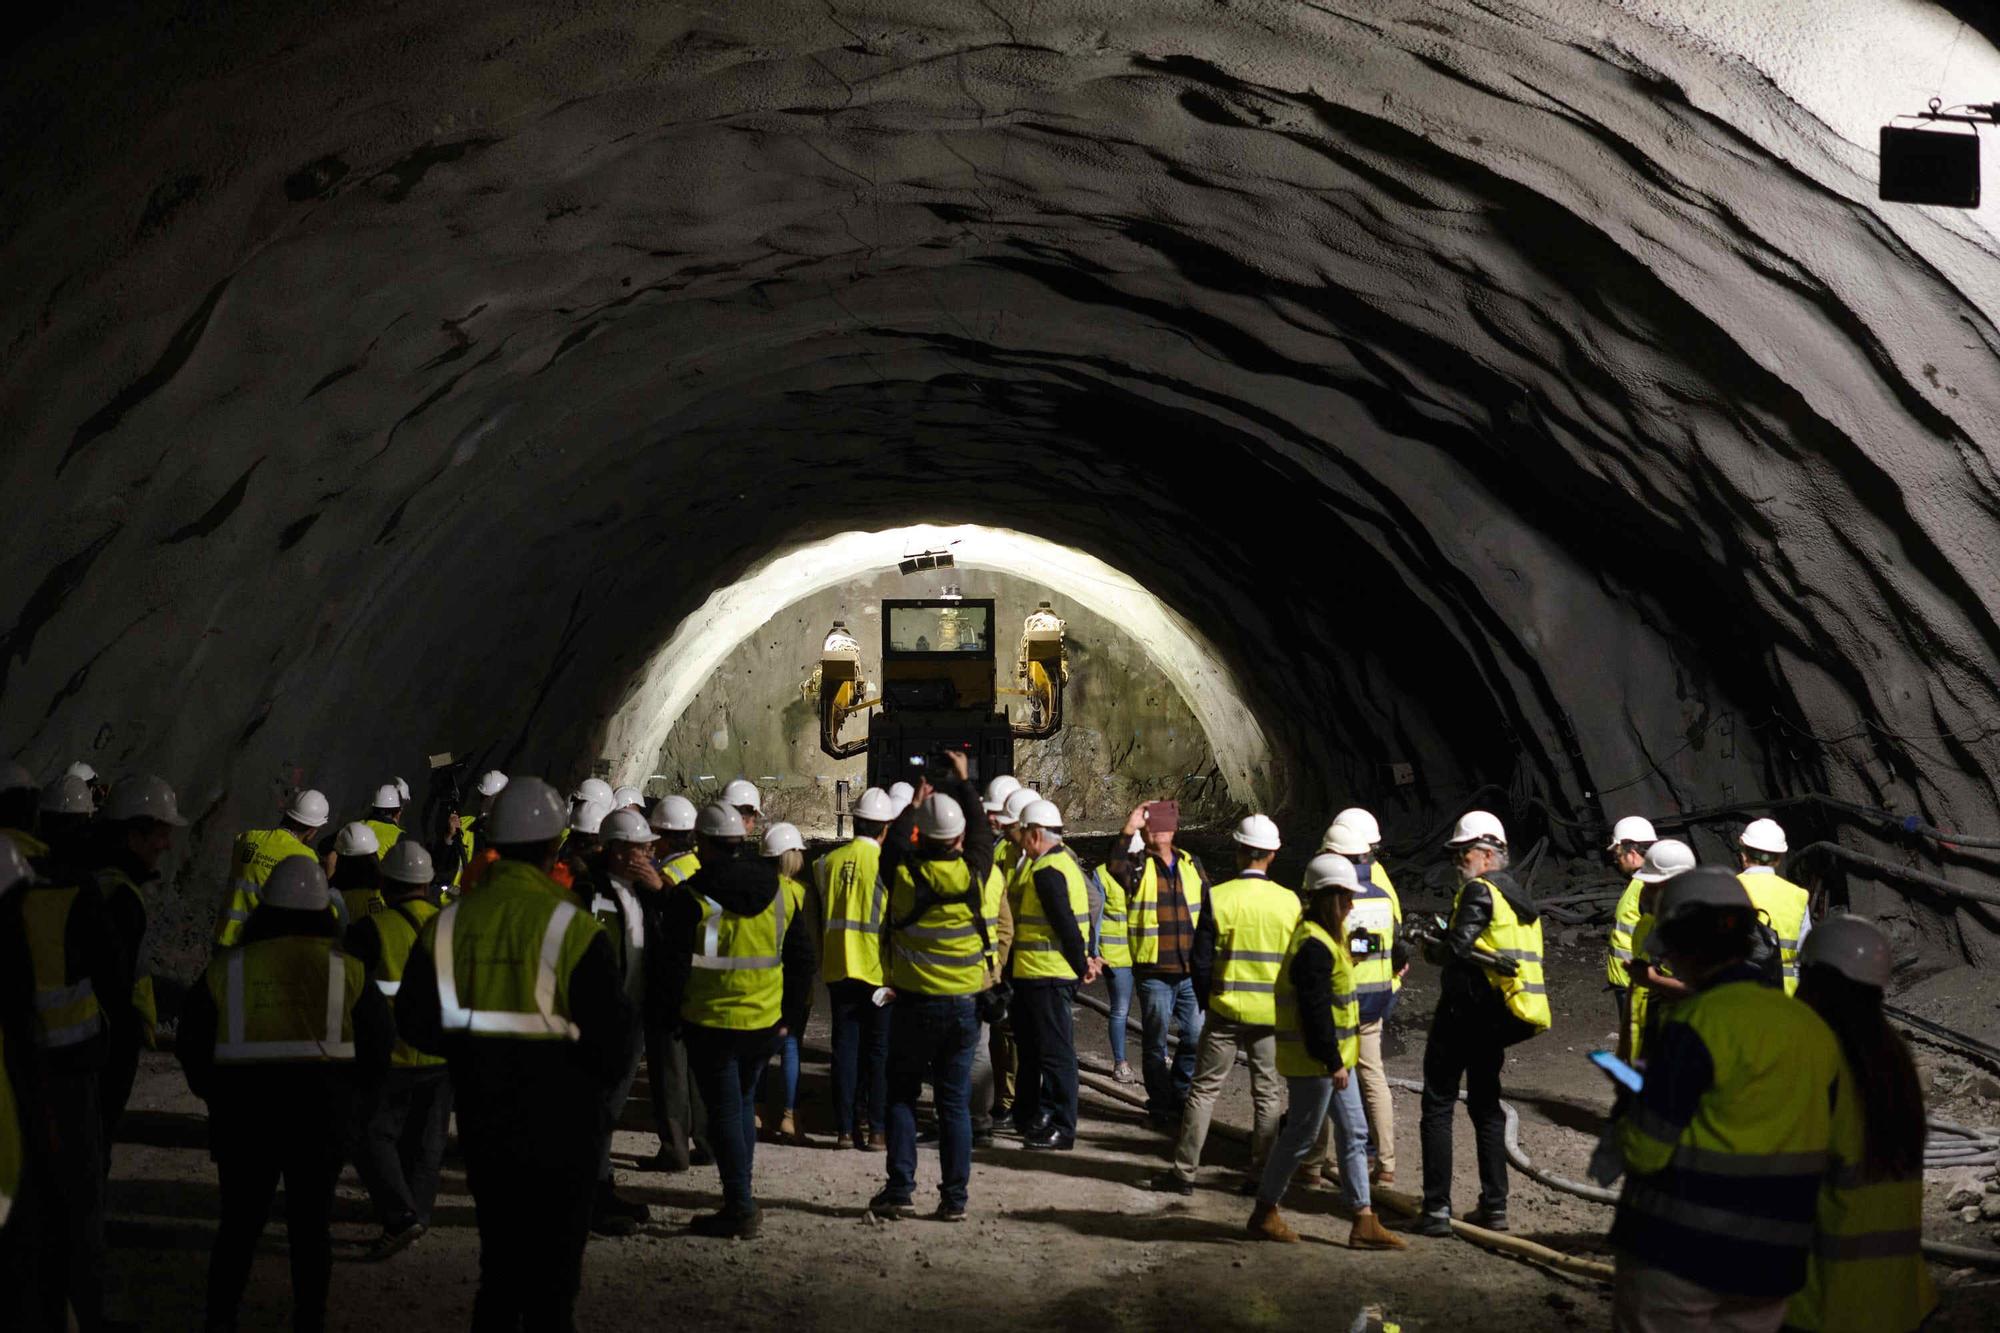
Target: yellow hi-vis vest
{"type": "Point", "coordinates": [145, 1006]}
{"type": "Point", "coordinates": [676, 869]}
{"type": "Point", "coordinates": [1114, 944]}
{"type": "Point", "coordinates": [1142, 911]}
{"type": "Point", "coordinates": [1526, 992]}
{"type": "Point", "coordinates": [397, 926]}
{"type": "Point", "coordinates": [852, 899]}
{"type": "Point", "coordinates": [10, 1139]}
{"type": "Point", "coordinates": [66, 1008]}
{"type": "Point", "coordinates": [1294, 1060]}
{"type": "Point", "coordinates": [1618, 963]}
{"type": "Point", "coordinates": [504, 955]}
{"type": "Point", "coordinates": [289, 999]}
{"type": "Point", "coordinates": [1038, 951]}
{"type": "Point", "coordinates": [738, 978]}
{"type": "Point", "coordinates": [1378, 911]}
{"type": "Point", "coordinates": [1785, 904]}
{"type": "Point", "coordinates": [386, 834]}
{"type": "Point", "coordinates": [1253, 919]}
{"type": "Point", "coordinates": [1866, 1273]}
{"type": "Point", "coordinates": [250, 865]}
{"type": "Point", "coordinates": [939, 953]}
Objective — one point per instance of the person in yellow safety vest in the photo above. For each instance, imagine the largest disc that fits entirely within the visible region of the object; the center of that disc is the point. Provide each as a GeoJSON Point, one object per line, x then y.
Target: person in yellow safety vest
{"type": "Point", "coordinates": [993, 1040]}
{"type": "Point", "coordinates": [1630, 838]}
{"type": "Point", "coordinates": [1380, 961]}
{"type": "Point", "coordinates": [385, 817]}
{"type": "Point", "coordinates": [516, 986]}
{"type": "Point", "coordinates": [938, 947]}
{"type": "Point", "coordinates": [20, 1115]}
{"type": "Point", "coordinates": [354, 872]}
{"type": "Point", "coordinates": [623, 893]}
{"type": "Point", "coordinates": [1003, 1051]}
{"type": "Point", "coordinates": [279, 1037]}
{"type": "Point", "coordinates": [850, 897]}
{"type": "Point", "coordinates": [20, 803]}
{"type": "Point", "coordinates": [257, 851]}
{"type": "Point", "coordinates": [1655, 989]}
{"type": "Point", "coordinates": [82, 991]}
{"type": "Point", "coordinates": [476, 854]}
{"type": "Point", "coordinates": [742, 795]}
{"type": "Point", "coordinates": [1050, 959]}
{"type": "Point", "coordinates": [1163, 903]}
{"type": "Point", "coordinates": [1786, 907]}
{"type": "Point", "coordinates": [1114, 946]}
{"type": "Point", "coordinates": [679, 1118]}
{"type": "Point", "coordinates": [1319, 1051]}
{"type": "Point", "coordinates": [1866, 1273]}
{"type": "Point", "coordinates": [400, 1144]}
{"type": "Point", "coordinates": [736, 963]}
{"type": "Point", "coordinates": [1726, 1145]}
{"type": "Point", "coordinates": [1239, 946]}
{"type": "Point", "coordinates": [135, 834]}
{"type": "Point", "coordinates": [783, 844]}
{"type": "Point", "coordinates": [1491, 995]}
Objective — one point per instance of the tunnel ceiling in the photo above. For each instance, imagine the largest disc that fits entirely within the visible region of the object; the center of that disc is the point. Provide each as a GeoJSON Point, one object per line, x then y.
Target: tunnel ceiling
{"type": "Point", "coordinates": [1525, 392]}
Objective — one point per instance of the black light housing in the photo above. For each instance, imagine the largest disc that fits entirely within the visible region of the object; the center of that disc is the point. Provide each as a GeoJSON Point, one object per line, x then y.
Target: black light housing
{"type": "Point", "coordinates": [1926, 166]}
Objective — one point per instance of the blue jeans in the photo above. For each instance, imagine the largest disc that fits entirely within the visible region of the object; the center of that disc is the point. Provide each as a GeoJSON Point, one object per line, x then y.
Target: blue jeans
{"type": "Point", "coordinates": [1311, 1099]}
{"type": "Point", "coordinates": [930, 1040]}
{"type": "Point", "coordinates": [1118, 980]}
{"type": "Point", "coordinates": [788, 1069]}
{"type": "Point", "coordinates": [860, 1059]}
{"type": "Point", "coordinates": [1166, 1002]}
{"type": "Point", "coordinates": [725, 1065]}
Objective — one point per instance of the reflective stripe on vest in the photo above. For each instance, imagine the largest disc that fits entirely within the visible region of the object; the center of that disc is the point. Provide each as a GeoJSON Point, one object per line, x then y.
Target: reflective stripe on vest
{"type": "Point", "coordinates": [1526, 993]}
{"type": "Point", "coordinates": [543, 1021]}
{"type": "Point", "coordinates": [66, 1008]}
{"type": "Point", "coordinates": [1294, 1060]}
{"type": "Point", "coordinates": [1618, 964]}
{"type": "Point", "coordinates": [737, 980]}
{"type": "Point", "coordinates": [238, 1045]}
{"type": "Point", "coordinates": [1253, 918]}
{"type": "Point", "coordinates": [1037, 948]}
{"type": "Point", "coordinates": [947, 958]}
{"type": "Point", "coordinates": [1785, 904]}
{"type": "Point", "coordinates": [1142, 910]}
{"type": "Point", "coordinates": [398, 928]}
{"type": "Point", "coordinates": [251, 862]}
{"type": "Point", "coordinates": [852, 898]}
{"type": "Point", "coordinates": [1378, 911]}
{"type": "Point", "coordinates": [1113, 938]}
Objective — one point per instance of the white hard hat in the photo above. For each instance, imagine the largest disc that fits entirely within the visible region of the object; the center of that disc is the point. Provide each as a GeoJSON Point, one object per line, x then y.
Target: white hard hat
{"type": "Point", "coordinates": [14, 867]}
{"type": "Point", "coordinates": [67, 795]}
{"type": "Point", "coordinates": [387, 797]}
{"type": "Point", "coordinates": [1344, 839]}
{"type": "Point", "coordinates": [742, 792]}
{"type": "Point", "coordinates": [625, 796]}
{"type": "Point", "coordinates": [591, 789]}
{"type": "Point", "coordinates": [309, 808]}
{"type": "Point", "coordinates": [1765, 835]}
{"type": "Point", "coordinates": [1665, 859]}
{"type": "Point", "coordinates": [492, 782]}
{"type": "Point", "coordinates": [296, 882]}
{"type": "Point", "coordinates": [1362, 822]}
{"type": "Point", "coordinates": [720, 821]}
{"type": "Point", "coordinates": [998, 790]}
{"type": "Point", "coordinates": [781, 838]}
{"type": "Point", "coordinates": [1017, 801]}
{"type": "Point", "coordinates": [143, 796]}
{"type": "Point", "coordinates": [402, 790]}
{"type": "Point", "coordinates": [625, 825]}
{"type": "Point", "coordinates": [79, 769]}
{"type": "Point", "coordinates": [528, 810]}
{"type": "Point", "coordinates": [902, 793]}
{"type": "Point", "coordinates": [877, 805]}
{"type": "Point", "coordinates": [673, 814]}
{"type": "Point", "coordinates": [1854, 947]}
{"type": "Point", "coordinates": [408, 863]}
{"type": "Point", "coordinates": [1330, 870]}
{"type": "Point", "coordinates": [14, 777]}
{"type": "Point", "coordinates": [940, 819]}
{"type": "Point", "coordinates": [1042, 815]}
{"type": "Point", "coordinates": [1477, 826]}
{"type": "Point", "coordinates": [587, 816]}
{"type": "Point", "coordinates": [357, 840]}
{"type": "Point", "coordinates": [1632, 829]}
{"type": "Point", "coordinates": [1258, 833]}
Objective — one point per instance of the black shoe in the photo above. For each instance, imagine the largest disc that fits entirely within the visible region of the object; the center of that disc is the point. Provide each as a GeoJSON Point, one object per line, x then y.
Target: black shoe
{"type": "Point", "coordinates": [949, 1212]}
{"type": "Point", "coordinates": [1431, 1224]}
{"type": "Point", "coordinates": [391, 1243]}
{"type": "Point", "coordinates": [665, 1161]}
{"type": "Point", "coordinates": [1049, 1141]}
{"type": "Point", "coordinates": [1248, 1187]}
{"type": "Point", "coordinates": [1492, 1219]}
{"type": "Point", "coordinates": [700, 1156]}
{"type": "Point", "coordinates": [1172, 1182]}
{"type": "Point", "coordinates": [888, 1208]}
{"type": "Point", "coordinates": [729, 1223]}
{"type": "Point", "coordinates": [928, 1135]}
{"type": "Point", "coordinates": [982, 1138]}
{"type": "Point", "coordinates": [615, 1204]}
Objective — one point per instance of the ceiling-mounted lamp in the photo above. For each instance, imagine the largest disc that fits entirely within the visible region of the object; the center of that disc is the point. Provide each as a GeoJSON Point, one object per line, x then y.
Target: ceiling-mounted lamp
{"type": "Point", "coordinates": [1940, 167]}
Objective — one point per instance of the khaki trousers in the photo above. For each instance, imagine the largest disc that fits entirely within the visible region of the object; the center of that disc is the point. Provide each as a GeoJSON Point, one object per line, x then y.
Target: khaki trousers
{"type": "Point", "coordinates": [1645, 1299]}
{"type": "Point", "coordinates": [1379, 1099]}
{"type": "Point", "coordinates": [1220, 1040]}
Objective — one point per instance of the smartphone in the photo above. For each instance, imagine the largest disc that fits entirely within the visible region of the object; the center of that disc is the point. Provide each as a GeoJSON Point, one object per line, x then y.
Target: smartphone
{"type": "Point", "coordinates": [1622, 1073]}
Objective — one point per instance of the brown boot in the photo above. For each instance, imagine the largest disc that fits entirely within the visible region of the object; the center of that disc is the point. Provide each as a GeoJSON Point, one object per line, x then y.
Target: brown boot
{"type": "Point", "coordinates": [1265, 1224]}
{"type": "Point", "coordinates": [1369, 1234]}
{"type": "Point", "coordinates": [1382, 1177]}
{"type": "Point", "coordinates": [788, 1131]}
{"type": "Point", "coordinates": [876, 1143]}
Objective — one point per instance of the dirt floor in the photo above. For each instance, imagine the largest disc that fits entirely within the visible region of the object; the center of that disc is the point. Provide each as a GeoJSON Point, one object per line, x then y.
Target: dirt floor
{"type": "Point", "coordinates": [1062, 1240]}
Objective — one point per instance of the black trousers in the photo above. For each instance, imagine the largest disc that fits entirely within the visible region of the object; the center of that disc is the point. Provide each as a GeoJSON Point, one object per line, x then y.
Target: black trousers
{"type": "Point", "coordinates": [121, 1069]}
{"type": "Point", "coordinates": [678, 1114]}
{"type": "Point", "coordinates": [401, 1145]}
{"type": "Point", "coordinates": [1045, 1032]}
{"type": "Point", "coordinates": [615, 1098]}
{"type": "Point", "coordinates": [1461, 1047]}
{"type": "Point", "coordinates": [534, 1218]}
{"type": "Point", "coordinates": [68, 1178]}
{"type": "Point", "coordinates": [248, 1174]}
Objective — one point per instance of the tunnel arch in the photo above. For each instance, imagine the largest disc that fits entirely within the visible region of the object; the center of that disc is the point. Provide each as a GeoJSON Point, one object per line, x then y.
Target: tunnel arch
{"type": "Point", "coordinates": [1538, 395]}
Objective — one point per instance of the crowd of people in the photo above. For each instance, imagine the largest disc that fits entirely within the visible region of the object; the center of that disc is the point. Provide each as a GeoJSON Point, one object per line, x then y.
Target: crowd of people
{"type": "Point", "coordinates": [367, 991]}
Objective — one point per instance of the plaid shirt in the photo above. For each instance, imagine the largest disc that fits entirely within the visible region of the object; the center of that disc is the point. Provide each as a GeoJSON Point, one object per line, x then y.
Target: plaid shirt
{"type": "Point", "coordinates": [1176, 921]}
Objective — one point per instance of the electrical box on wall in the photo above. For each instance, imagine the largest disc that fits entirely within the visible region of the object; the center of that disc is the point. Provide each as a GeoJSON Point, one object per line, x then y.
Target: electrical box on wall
{"type": "Point", "coordinates": [1405, 775]}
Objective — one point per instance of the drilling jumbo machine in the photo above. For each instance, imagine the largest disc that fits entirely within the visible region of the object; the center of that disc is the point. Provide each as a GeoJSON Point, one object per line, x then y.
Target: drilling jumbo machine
{"type": "Point", "coordinates": [938, 690]}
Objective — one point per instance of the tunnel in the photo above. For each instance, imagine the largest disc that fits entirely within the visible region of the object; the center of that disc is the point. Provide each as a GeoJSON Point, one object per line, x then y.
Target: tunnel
{"type": "Point", "coordinates": [1531, 397]}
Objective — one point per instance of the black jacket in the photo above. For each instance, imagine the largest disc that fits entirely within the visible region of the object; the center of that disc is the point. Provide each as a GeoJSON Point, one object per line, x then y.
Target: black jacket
{"type": "Point", "coordinates": [1312, 988]}
{"type": "Point", "coordinates": [1463, 987]}
{"type": "Point", "coordinates": [742, 886]}
{"type": "Point", "coordinates": [1051, 891]}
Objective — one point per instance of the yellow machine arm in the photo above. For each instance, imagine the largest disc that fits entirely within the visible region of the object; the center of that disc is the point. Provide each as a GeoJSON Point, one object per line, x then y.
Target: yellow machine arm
{"type": "Point", "coordinates": [1043, 669]}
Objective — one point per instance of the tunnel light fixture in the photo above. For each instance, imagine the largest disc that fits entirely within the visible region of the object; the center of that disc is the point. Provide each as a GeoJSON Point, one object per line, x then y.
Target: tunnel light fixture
{"type": "Point", "coordinates": [912, 564]}
{"type": "Point", "coordinates": [1940, 167]}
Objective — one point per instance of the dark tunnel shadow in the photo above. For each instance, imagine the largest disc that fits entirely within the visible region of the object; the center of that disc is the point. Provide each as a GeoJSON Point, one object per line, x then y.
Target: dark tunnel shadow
{"type": "Point", "coordinates": [705, 1201]}
{"type": "Point", "coordinates": [163, 1129]}
{"type": "Point", "coordinates": [1117, 1172]}
{"type": "Point", "coordinates": [1148, 1227]}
